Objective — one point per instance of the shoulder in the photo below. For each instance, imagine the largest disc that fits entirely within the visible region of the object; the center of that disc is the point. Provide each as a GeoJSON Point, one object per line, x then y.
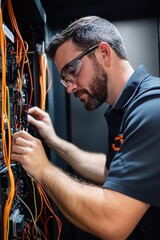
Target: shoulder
{"type": "Point", "coordinates": [145, 106]}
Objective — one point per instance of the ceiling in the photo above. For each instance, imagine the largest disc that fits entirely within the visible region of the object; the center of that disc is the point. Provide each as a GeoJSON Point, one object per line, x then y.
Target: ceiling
{"type": "Point", "coordinates": [60, 13]}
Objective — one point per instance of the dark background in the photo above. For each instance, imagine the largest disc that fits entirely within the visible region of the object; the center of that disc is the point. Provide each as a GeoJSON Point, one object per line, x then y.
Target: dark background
{"type": "Point", "coordinates": [61, 12]}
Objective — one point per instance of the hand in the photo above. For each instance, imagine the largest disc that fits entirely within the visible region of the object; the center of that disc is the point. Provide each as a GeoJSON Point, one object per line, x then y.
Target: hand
{"type": "Point", "coordinates": [29, 152]}
{"type": "Point", "coordinates": [42, 122]}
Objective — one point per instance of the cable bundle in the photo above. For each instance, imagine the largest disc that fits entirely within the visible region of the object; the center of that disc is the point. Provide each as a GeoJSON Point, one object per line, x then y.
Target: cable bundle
{"type": "Point", "coordinates": [37, 216]}
{"type": "Point", "coordinates": [6, 148]}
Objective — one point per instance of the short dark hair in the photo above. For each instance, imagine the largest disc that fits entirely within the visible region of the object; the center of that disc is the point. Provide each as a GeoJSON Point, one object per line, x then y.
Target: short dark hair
{"type": "Point", "coordinates": [86, 32]}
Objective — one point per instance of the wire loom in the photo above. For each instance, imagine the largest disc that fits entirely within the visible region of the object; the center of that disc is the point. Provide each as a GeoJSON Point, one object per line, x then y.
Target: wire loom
{"type": "Point", "coordinates": [41, 212]}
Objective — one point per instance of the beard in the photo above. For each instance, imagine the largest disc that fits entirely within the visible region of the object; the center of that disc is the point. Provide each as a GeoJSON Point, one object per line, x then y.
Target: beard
{"type": "Point", "coordinates": [98, 88]}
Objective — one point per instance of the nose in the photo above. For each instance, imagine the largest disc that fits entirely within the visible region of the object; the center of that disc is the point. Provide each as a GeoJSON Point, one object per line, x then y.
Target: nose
{"type": "Point", "coordinates": [71, 86]}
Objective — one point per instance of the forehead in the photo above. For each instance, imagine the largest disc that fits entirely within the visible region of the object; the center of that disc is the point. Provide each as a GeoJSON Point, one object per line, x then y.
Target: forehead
{"type": "Point", "coordinates": [66, 53]}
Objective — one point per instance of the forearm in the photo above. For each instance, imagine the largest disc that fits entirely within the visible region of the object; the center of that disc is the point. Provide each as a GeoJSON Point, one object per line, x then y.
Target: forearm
{"type": "Point", "coordinates": [92, 166]}
{"type": "Point", "coordinates": [105, 213]}
{"type": "Point", "coordinates": [79, 207]}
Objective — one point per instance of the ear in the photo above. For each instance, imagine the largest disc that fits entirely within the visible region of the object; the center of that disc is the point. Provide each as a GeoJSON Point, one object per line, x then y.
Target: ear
{"type": "Point", "coordinates": [104, 53]}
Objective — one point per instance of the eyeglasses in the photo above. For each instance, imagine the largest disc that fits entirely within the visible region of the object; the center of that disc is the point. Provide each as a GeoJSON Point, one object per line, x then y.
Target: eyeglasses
{"type": "Point", "coordinates": [72, 69]}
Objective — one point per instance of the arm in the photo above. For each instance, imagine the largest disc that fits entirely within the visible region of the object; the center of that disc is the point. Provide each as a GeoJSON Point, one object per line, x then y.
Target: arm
{"type": "Point", "coordinates": [102, 212]}
{"type": "Point", "coordinates": [89, 165]}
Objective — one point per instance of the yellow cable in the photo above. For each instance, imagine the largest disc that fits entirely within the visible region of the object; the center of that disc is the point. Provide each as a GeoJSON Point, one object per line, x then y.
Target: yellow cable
{"type": "Point", "coordinates": [34, 197]}
{"type": "Point", "coordinates": [8, 104]}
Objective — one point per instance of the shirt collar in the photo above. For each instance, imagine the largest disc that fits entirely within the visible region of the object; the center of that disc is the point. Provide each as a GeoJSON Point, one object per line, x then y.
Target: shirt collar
{"type": "Point", "coordinates": [131, 87]}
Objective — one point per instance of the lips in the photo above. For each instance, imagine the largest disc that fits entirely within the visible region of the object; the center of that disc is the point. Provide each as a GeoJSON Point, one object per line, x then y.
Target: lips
{"type": "Point", "coordinates": [81, 98]}
{"type": "Point", "coordinates": [79, 94]}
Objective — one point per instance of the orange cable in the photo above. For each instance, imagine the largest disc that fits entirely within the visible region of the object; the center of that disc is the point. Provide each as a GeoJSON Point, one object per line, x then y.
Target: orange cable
{"type": "Point", "coordinates": [4, 121]}
{"type": "Point", "coordinates": [50, 208]}
{"type": "Point", "coordinates": [50, 77]}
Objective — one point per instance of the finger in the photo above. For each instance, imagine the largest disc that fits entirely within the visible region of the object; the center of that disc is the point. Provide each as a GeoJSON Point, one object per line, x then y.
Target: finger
{"type": "Point", "coordinates": [22, 134]}
{"type": "Point", "coordinates": [18, 149]}
{"type": "Point", "coordinates": [16, 157]}
{"type": "Point", "coordinates": [19, 141]}
{"type": "Point", "coordinates": [36, 112]}
{"type": "Point", "coordinates": [33, 121]}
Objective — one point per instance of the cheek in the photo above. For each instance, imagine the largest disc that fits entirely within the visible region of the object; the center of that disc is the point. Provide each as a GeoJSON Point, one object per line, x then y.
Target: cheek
{"type": "Point", "coordinates": [86, 76]}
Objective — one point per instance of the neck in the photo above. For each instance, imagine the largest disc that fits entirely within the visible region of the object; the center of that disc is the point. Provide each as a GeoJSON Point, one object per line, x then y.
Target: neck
{"type": "Point", "coordinates": [118, 76]}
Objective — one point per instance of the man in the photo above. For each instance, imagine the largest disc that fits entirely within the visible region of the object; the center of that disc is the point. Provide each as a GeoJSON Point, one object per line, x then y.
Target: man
{"type": "Point", "coordinates": [93, 65]}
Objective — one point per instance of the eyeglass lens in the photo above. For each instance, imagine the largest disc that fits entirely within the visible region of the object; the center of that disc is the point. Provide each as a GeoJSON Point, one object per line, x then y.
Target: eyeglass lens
{"type": "Point", "coordinates": [71, 71]}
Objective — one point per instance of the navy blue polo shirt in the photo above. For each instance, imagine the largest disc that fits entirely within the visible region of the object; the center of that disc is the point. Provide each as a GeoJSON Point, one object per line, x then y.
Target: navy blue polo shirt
{"type": "Point", "coordinates": [133, 158]}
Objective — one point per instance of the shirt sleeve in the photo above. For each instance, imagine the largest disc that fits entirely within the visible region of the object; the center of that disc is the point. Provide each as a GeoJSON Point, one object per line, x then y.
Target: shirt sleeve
{"type": "Point", "coordinates": [135, 169]}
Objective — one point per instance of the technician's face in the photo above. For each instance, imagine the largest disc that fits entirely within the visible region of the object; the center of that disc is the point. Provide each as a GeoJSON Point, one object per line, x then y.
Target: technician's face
{"type": "Point", "coordinates": [82, 76]}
